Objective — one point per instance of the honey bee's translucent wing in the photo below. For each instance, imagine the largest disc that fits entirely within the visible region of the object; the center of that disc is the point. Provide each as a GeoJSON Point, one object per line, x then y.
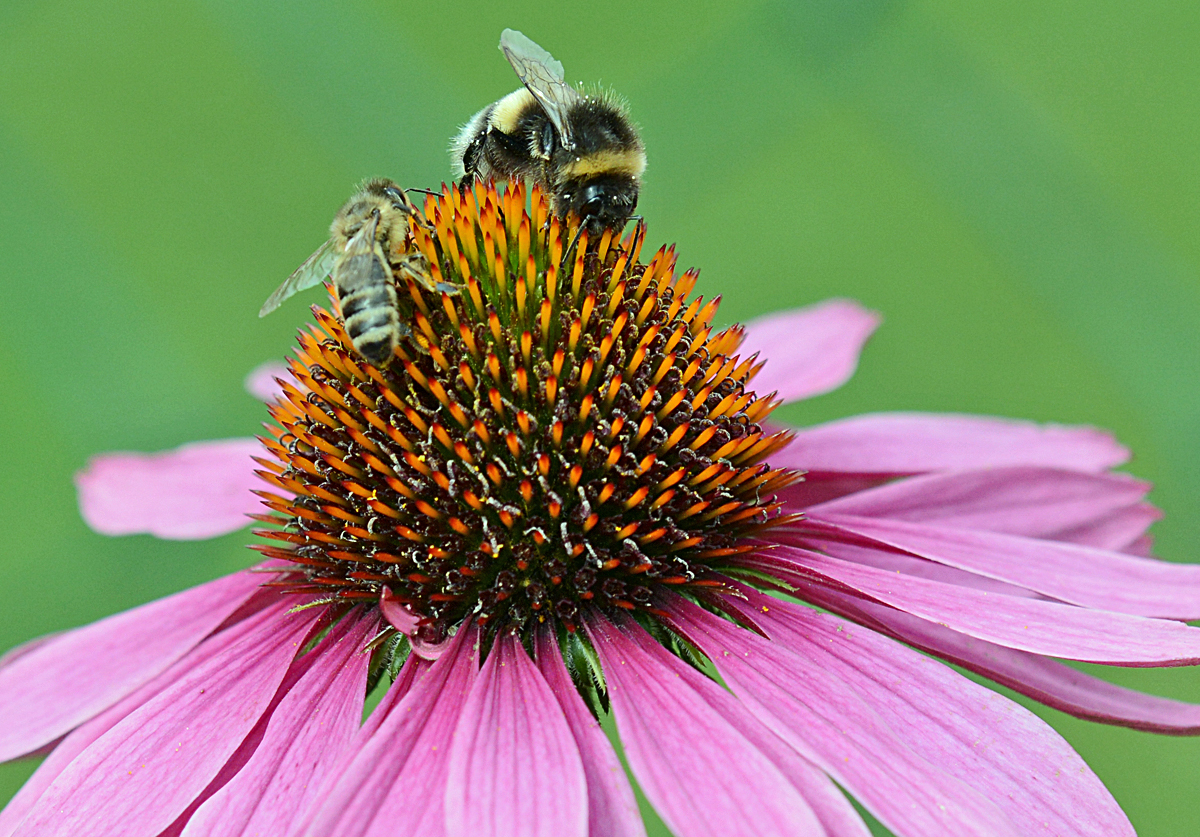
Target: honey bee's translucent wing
{"type": "Point", "coordinates": [543, 76]}
{"type": "Point", "coordinates": [314, 271]}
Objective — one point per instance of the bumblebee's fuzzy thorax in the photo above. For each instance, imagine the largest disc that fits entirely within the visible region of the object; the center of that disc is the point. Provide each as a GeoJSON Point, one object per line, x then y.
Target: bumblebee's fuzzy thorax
{"type": "Point", "coordinates": [567, 432]}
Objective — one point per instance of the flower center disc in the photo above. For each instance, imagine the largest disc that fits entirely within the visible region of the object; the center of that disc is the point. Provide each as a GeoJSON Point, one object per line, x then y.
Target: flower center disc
{"type": "Point", "coordinates": [556, 431]}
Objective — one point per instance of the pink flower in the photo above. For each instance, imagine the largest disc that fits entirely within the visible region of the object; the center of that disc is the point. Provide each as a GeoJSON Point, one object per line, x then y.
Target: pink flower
{"type": "Point", "coordinates": [560, 545]}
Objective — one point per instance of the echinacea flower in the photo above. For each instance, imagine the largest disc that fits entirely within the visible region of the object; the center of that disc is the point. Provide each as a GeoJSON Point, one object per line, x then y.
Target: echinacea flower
{"type": "Point", "coordinates": [561, 499]}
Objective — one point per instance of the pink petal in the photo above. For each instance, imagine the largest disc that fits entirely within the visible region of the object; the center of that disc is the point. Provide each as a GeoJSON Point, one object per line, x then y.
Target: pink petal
{"type": "Point", "coordinates": [899, 444]}
{"type": "Point", "coordinates": [305, 734]}
{"type": "Point", "coordinates": [883, 558]}
{"type": "Point", "coordinates": [821, 488]}
{"type": "Point", "coordinates": [685, 741]}
{"type": "Point", "coordinates": [1080, 575]}
{"type": "Point", "coordinates": [822, 715]}
{"type": "Point", "coordinates": [52, 688]}
{"type": "Point", "coordinates": [612, 809]}
{"type": "Point", "coordinates": [196, 491]}
{"type": "Point", "coordinates": [412, 672]}
{"type": "Point", "coordinates": [83, 736]}
{"type": "Point", "coordinates": [1042, 627]}
{"type": "Point", "coordinates": [1034, 502]}
{"type": "Point", "coordinates": [17, 652]}
{"type": "Point", "coordinates": [1142, 546]}
{"type": "Point", "coordinates": [246, 750]}
{"type": "Point", "coordinates": [809, 351]}
{"type": "Point", "coordinates": [514, 768]}
{"type": "Point", "coordinates": [1047, 681]}
{"type": "Point", "coordinates": [262, 383]}
{"type": "Point", "coordinates": [1121, 531]}
{"type": "Point", "coordinates": [404, 760]}
{"type": "Point", "coordinates": [1011, 755]}
{"type": "Point", "coordinates": [141, 774]}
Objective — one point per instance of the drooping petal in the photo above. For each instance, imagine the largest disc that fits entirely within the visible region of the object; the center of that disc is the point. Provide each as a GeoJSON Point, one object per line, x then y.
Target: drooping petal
{"type": "Point", "coordinates": [200, 490]}
{"type": "Point", "coordinates": [105, 661]}
{"type": "Point", "coordinates": [406, 622]}
{"type": "Point", "coordinates": [305, 734]}
{"type": "Point", "coordinates": [612, 809]}
{"type": "Point", "coordinates": [809, 350]}
{"type": "Point", "coordinates": [1047, 681]}
{"type": "Point", "coordinates": [141, 774]}
{"type": "Point", "coordinates": [1042, 627]}
{"type": "Point", "coordinates": [514, 768]}
{"type": "Point", "coordinates": [824, 717]}
{"type": "Point", "coordinates": [1080, 575]}
{"type": "Point", "coordinates": [690, 757]}
{"type": "Point", "coordinates": [902, 444]}
{"type": "Point", "coordinates": [395, 782]}
{"type": "Point", "coordinates": [1034, 502]}
{"type": "Point", "coordinates": [1008, 753]}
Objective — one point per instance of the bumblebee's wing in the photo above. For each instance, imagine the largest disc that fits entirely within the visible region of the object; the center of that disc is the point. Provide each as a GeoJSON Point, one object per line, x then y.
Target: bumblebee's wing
{"type": "Point", "coordinates": [313, 272]}
{"type": "Point", "coordinates": [543, 76]}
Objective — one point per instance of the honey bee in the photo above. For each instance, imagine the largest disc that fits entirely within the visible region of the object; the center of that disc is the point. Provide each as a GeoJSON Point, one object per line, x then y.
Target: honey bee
{"type": "Point", "coordinates": [367, 238]}
{"type": "Point", "coordinates": [582, 149]}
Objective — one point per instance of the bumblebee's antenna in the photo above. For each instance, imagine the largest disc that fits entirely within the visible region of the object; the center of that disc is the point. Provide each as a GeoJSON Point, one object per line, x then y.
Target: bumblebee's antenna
{"type": "Point", "coordinates": [639, 233]}
{"type": "Point", "coordinates": [567, 257]}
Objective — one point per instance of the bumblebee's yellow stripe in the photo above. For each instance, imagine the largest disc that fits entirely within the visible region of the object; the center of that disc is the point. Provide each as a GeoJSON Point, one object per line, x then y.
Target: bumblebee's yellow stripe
{"type": "Point", "coordinates": [507, 112]}
{"type": "Point", "coordinates": [631, 161]}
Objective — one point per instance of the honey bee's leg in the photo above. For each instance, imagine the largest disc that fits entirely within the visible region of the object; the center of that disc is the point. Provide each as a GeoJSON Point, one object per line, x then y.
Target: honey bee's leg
{"type": "Point", "coordinates": [416, 267]}
{"type": "Point", "coordinates": [369, 307]}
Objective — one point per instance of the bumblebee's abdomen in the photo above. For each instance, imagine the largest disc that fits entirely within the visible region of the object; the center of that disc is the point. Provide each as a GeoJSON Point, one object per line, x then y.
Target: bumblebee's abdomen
{"type": "Point", "coordinates": [369, 310]}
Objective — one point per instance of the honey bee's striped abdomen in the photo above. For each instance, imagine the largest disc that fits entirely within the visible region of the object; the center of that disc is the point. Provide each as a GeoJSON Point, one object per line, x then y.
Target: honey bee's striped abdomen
{"type": "Point", "coordinates": [369, 310]}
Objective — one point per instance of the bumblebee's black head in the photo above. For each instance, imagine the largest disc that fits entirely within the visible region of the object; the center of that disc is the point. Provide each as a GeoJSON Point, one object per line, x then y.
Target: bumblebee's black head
{"type": "Point", "coordinates": [601, 201]}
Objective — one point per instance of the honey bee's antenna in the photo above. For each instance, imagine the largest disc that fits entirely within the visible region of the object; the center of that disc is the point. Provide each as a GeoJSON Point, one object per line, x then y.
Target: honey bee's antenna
{"type": "Point", "coordinates": [422, 191]}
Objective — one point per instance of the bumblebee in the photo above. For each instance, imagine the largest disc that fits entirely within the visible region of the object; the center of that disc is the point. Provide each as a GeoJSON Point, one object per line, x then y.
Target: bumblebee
{"type": "Point", "coordinates": [366, 237]}
{"type": "Point", "coordinates": [582, 149]}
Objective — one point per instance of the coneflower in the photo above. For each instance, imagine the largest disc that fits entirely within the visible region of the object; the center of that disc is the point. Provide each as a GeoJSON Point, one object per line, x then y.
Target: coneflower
{"type": "Point", "coordinates": [561, 499]}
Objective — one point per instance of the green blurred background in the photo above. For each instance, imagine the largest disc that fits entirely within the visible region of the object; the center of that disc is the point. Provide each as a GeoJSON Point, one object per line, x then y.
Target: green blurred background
{"type": "Point", "coordinates": [1016, 186]}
